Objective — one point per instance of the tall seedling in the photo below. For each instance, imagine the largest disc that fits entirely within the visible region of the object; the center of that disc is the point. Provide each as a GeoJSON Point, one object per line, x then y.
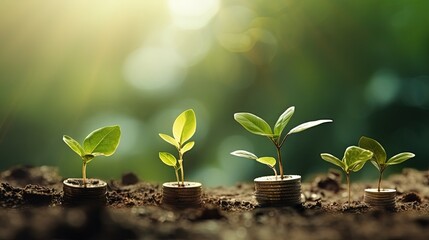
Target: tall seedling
{"type": "Point", "coordinates": [184, 128]}
{"type": "Point", "coordinates": [101, 142]}
{"type": "Point", "coordinates": [259, 126]}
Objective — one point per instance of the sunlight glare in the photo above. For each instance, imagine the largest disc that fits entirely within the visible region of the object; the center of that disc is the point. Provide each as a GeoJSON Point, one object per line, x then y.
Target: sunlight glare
{"type": "Point", "coordinates": [192, 14]}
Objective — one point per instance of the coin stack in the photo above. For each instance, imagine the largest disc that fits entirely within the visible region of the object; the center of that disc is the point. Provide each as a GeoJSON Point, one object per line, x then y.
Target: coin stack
{"type": "Point", "coordinates": [75, 193]}
{"type": "Point", "coordinates": [176, 196]}
{"type": "Point", "coordinates": [383, 199]}
{"type": "Point", "coordinates": [272, 191]}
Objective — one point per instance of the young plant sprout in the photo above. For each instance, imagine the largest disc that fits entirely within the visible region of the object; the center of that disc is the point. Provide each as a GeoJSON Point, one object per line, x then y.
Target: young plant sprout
{"type": "Point", "coordinates": [379, 158]}
{"type": "Point", "coordinates": [353, 160]}
{"type": "Point", "coordinates": [258, 126]}
{"type": "Point", "coordinates": [101, 142]}
{"type": "Point", "coordinates": [184, 128]}
{"type": "Point", "coordinates": [269, 161]}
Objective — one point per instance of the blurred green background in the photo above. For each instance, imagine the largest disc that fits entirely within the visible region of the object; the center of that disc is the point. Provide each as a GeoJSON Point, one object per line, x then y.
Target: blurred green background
{"type": "Point", "coordinates": [69, 67]}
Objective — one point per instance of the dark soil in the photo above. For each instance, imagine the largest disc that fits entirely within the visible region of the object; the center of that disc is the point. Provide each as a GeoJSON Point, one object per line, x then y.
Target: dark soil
{"type": "Point", "coordinates": [31, 208]}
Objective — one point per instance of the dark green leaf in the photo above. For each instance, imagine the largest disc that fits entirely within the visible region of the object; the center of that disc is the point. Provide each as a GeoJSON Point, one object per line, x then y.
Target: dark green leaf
{"type": "Point", "coordinates": [102, 141]}
{"type": "Point", "coordinates": [372, 145]}
{"type": "Point", "coordinates": [253, 124]}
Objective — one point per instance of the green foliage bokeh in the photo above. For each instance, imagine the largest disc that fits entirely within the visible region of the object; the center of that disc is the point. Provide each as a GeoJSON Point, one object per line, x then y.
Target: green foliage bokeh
{"type": "Point", "coordinates": [67, 67]}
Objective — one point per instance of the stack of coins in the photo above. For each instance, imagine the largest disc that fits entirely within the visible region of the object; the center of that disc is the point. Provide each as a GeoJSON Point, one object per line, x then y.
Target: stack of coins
{"type": "Point", "coordinates": [75, 193]}
{"type": "Point", "coordinates": [176, 196]}
{"type": "Point", "coordinates": [272, 191]}
{"type": "Point", "coordinates": [383, 199]}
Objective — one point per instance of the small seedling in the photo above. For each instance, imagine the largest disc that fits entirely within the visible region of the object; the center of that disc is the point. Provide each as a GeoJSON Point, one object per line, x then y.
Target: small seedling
{"type": "Point", "coordinates": [269, 161]}
{"type": "Point", "coordinates": [379, 158]}
{"type": "Point", "coordinates": [101, 142]}
{"type": "Point", "coordinates": [353, 160]}
{"type": "Point", "coordinates": [258, 126]}
{"type": "Point", "coordinates": [184, 128]}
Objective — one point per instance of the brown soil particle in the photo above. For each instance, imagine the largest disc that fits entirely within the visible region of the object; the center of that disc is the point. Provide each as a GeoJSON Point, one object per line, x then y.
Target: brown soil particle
{"type": "Point", "coordinates": [31, 208]}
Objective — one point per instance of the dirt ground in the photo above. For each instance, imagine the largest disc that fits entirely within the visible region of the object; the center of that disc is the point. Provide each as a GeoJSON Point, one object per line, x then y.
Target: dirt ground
{"type": "Point", "coordinates": [31, 208]}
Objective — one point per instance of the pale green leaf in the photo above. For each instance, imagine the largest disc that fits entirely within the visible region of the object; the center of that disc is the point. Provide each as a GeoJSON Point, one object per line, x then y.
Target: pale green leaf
{"type": "Point", "coordinates": [379, 167]}
{"type": "Point", "coordinates": [332, 159]}
{"type": "Point", "coordinates": [244, 154]}
{"type": "Point", "coordinates": [357, 166]}
{"type": "Point", "coordinates": [253, 124]}
{"type": "Point", "coordinates": [307, 125]}
{"type": "Point", "coordinates": [355, 155]}
{"type": "Point", "coordinates": [74, 145]}
{"type": "Point", "coordinates": [188, 146]}
{"type": "Point", "coordinates": [169, 139]}
{"type": "Point", "coordinates": [283, 121]}
{"type": "Point", "coordinates": [168, 159]}
{"type": "Point", "coordinates": [399, 158]}
{"type": "Point", "coordinates": [270, 161]}
{"type": "Point", "coordinates": [102, 141]}
{"type": "Point", "coordinates": [372, 145]}
{"type": "Point", "coordinates": [184, 126]}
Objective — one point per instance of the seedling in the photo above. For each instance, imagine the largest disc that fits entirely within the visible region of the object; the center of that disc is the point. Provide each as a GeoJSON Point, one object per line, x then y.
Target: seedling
{"type": "Point", "coordinates": [379, 158]}
{"type": "Point", "coordinates": [101, 142]}
{"type": "Point", "coordinates": [353, 160]}
{"type": "Point", "coordinates": [184, 128]}
{"type": "Point", "coordinates": [269, 161]}
{"type": "Point", "coordinates": [259, 126]}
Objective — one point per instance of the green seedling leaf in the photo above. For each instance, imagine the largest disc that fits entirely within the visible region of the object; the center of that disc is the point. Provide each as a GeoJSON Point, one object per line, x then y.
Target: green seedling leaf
{"type": "Point", "coordinates": [74, 145]}
{"type": "Point", "coordinates": [307, 125]}
{"type": "Point", "coordinates": [283, 121]}
{"type": "Point", "coordinates": [399, 158]}
{"type": "Point", "coordinates": [169, 139]}
{"type": "Point", "coordinates": [372, 145]}
{"type": "Point", "coordinates": [354, 157]}
{"type": "Point", "coordinates": [253, 124]}
{"type": "Point", "coordinates": [168, 159]}
{"type": "Point", "coordinates": [376, 165]}
{"type": "Point", "coordinates": [184, 126]}
{"type": "Point", "coordinates": [103, 141]}
{"type": "Point", "coordinates": [188, 146]}
{"type": "Point", "coordinates": [332, 159]}
{"type": "Point", "coordinates": [244, 154]}
{"type": "Point", "coordinates": [270, 161]}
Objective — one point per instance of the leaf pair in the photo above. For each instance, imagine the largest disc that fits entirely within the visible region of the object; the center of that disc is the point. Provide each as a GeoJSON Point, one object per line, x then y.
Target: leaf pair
{"type": "Point", "coordinates": [184, 128]}
{"type": "Point", "coordinates": [259, 126]}
{"type": "Point", "coordinates": [270, 161]}
{"type": "Point", "coordinates": [101, 142]}
{"type": "Point", "coordinates": [353, 160]}
{"type": "Point", "coordinates": [379, 159]}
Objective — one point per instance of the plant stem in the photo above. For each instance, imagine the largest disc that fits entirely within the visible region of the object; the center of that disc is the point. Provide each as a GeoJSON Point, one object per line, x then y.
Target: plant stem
{"type": "Point", "coordinates": [379, 180]}
{"type": "Point", "coordinates": [348, 185]}
{"type": "Point", "coordinates": [181, 170]}
{"type": "Point", "coordinates": [176, 170]}
{"type": "Point", "coordinates": [84, 173]}
{"type": "Point", "coordinates": [279, 156]}
{"type": "Point", "coordinates": [275, 172]}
